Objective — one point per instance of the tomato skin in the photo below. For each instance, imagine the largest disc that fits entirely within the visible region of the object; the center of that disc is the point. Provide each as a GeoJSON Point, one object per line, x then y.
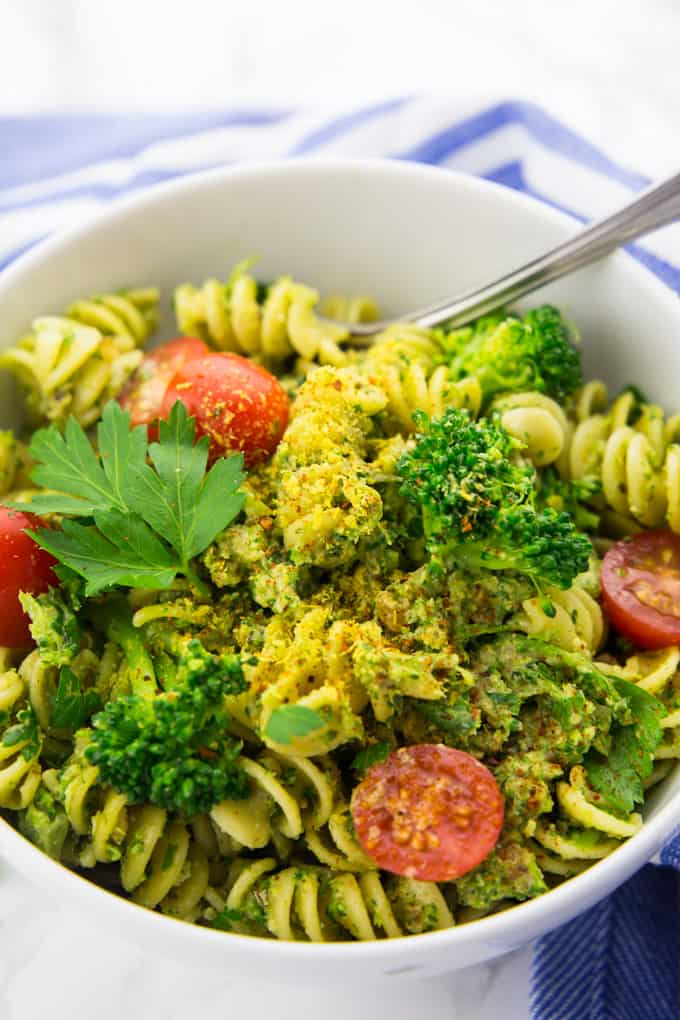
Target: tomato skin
{"type": "Point", "coordinates": [24, 566]}
{"type": "Point", "coordinates": [429, 812]}
{"type": "Point", "coordinates": [236, 403]}
{"type": "Point", "coordinates": [640, 579]}
{"type": "Point", "coordinates": [143, 395]}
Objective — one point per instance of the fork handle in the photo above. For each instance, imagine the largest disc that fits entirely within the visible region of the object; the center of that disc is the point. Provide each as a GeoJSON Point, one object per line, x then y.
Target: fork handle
{"type": "Point", "coordinates": [655, 207]}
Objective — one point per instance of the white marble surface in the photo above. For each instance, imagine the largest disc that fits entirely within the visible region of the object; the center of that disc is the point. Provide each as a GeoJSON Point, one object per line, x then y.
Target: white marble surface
{"type": "Point", "coordinates": [608, 67]}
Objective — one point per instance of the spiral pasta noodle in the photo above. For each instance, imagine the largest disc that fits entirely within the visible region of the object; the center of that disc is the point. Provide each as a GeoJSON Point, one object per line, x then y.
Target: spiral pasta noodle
{"type": "Point", "coordinates": [288, 795]}
{"type": "Point", "coordinates": [319, 904]}
{"type": "Point", "coordinates": [404, 362]}
{"type": "Point", "coordinates": [358, 308]}
{"type": "Point", "coordinates": [336, 845]}
{"type": "Point", "coordinates": [231, 318]}
{"type": "Point", "coordinates": [633, 452]}
{"type": "Point", "coordinates": [41, 680]}
{"type": "Point", "coordinates": [538, 422]}
{"type": "Point", "coordinates": [129, 315]}
{"type": "Point", "coordinates": [20, 770]}
{"type": "Point", "coordinates": [162, 865]}
{"type": "Point", "coordinates": [574, 845]}
{"type": "Point", "coordinates": [575, 805]}
{"type": "Point", "coordinates": [69, 368]}
{"type": "Point", "coordinates": [571, 619]}
{"type": "Point", "coordinates": [653, 671]}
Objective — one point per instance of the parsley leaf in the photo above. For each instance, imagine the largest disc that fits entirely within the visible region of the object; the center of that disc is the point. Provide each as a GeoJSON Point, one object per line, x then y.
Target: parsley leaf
{"type": "Point", "coordinates": [619, 777]}
{"type": "Point", "coordinates": [26, 731]}
{"type": "Point", "coordinates": [370, 756]}
{"type": "Point", "coordinates": [288, 722]}
{"type": "Point", "coordinates": [72, 708]}
{"type": "Point", "coordinates": [68, 464]}
{"type": "Point", "coordinates": [149, 509]}
{"type": "Point", "coordinates": [182, 503]}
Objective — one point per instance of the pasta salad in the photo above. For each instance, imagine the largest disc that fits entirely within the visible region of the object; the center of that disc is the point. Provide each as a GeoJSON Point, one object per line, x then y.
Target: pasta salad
{"type": "Point", "coordinates": [310, 643]}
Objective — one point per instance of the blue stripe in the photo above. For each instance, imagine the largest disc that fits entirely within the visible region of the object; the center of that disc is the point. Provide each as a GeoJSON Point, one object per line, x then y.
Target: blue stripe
{"type": "Point", "coordinates": [329, 131]}
{"type": "Point", "coordinates": [541, 126]}
{"type": "Point", "coordinates": [512, 175]}
{"type": "Point", "coordinates": [106, 192]}
{"type": "Point", "coordinates": [45, 146]}
{"type": "Point", "coordinates": [341, 125]}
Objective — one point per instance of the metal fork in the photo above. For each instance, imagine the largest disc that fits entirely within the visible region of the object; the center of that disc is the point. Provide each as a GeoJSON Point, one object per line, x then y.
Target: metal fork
{"type": "Point", "coordinates": [656, 207]}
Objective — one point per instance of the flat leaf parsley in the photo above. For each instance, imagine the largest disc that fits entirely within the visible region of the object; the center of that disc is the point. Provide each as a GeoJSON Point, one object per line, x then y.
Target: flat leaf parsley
{"type": "Point", "coordinates": [291, 722]}
{"type": "Point", "coordinates": [148, 508]}
{"type": "Point", "coordinates": [72, 706]}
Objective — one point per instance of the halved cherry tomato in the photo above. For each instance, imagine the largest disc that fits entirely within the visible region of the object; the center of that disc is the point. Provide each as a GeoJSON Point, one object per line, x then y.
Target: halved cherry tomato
{"type": "Point", "coordinates": [640, 580]}
{"type": "Point", "coordinates": [143, 395]}
{"type": "Point", "coordinates": [24, 566]}
{"type": "Point", "coordinates": [429, 812]}
{"type": "Point", "coordinates": [236, 403]}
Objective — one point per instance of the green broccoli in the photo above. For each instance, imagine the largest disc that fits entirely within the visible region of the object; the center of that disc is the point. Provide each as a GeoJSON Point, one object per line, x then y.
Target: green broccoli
{"type": "Point", "coordinates": [170, 746]}
{"type": "Point", "coordinates": [625, 717]}
{"type": "Point", "coordinates": [478, 505]}
{"type": "Point", "coordinates": [54, 626]}
{"type": "Point", "coordinates": [508, 354]}
{"type": "Point", "coordinates": [486, 603]}
{"type": "Point", "coordinates": [509, 872]}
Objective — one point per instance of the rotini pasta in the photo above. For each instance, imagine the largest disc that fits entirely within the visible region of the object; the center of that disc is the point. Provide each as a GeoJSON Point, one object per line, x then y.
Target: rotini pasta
{"type": "Point", "coordinates": [20, 770]}
{"type": "Point", "coordinates": [635, 455]}
{"type": "Point", "coordinates": [404, 363]}
{"type": "Point", "coordinates": [538, 422]}
{"type": "Point", "coordinates": [288, 795]}
{"type": "Point", "coordinates": [68, 368]}
{"type": "Point", "coordinates": [231, 317]}
{"type": "Point", "coordinates": [571, 619]}
{"type": "Point", "coordinates": [130, 315]}
{"type": "Point", "coordinates": [318, 905]}
{"type": "Point", "coordinates": [575, 804]}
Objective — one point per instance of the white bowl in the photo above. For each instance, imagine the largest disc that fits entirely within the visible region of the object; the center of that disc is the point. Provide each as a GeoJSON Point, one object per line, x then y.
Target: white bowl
{"type": "Point", "coordinates": [409, 235]}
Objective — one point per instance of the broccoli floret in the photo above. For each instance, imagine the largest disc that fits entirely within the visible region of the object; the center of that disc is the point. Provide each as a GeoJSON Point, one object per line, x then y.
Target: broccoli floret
{"type": "Point", "coordinates": [544, 546]}
{"type": "Point", "coordinates": [170, 747]}
{"type": "Point", "coordinates": [507, 354]}
{"type": "Point", "coordinates": [485, 603]}
{"type": "Point", "coordinates": [509, 872]}
{"type": "Point", "coordinates": [570, 497]}
{"type": "Point", "coordinates": [478, 506]}
{"type": "Point", "coordinates": [54, 627]}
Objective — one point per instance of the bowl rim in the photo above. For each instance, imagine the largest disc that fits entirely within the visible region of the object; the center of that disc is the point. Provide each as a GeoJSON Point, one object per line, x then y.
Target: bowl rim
{"type": "Point", "coordinates": [506, 928]}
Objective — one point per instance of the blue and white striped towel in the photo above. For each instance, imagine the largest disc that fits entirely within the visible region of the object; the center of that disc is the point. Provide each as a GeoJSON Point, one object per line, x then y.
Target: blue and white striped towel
{"type": "Point", "coordinates": [620, 960]}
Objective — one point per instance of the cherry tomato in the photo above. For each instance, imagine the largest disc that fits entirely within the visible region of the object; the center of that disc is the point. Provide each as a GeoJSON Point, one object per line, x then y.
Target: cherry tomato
{"type": "Point", "coordinates": [143, 395]}
{"type": "Point", "coordinates": [429, 812]}
{"type": "Point", "coordinates": [640, 580]}
{"type": "Point", "coordinates": [24, 566]}
{"type": "Point", "coordinates": [236, 403]}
